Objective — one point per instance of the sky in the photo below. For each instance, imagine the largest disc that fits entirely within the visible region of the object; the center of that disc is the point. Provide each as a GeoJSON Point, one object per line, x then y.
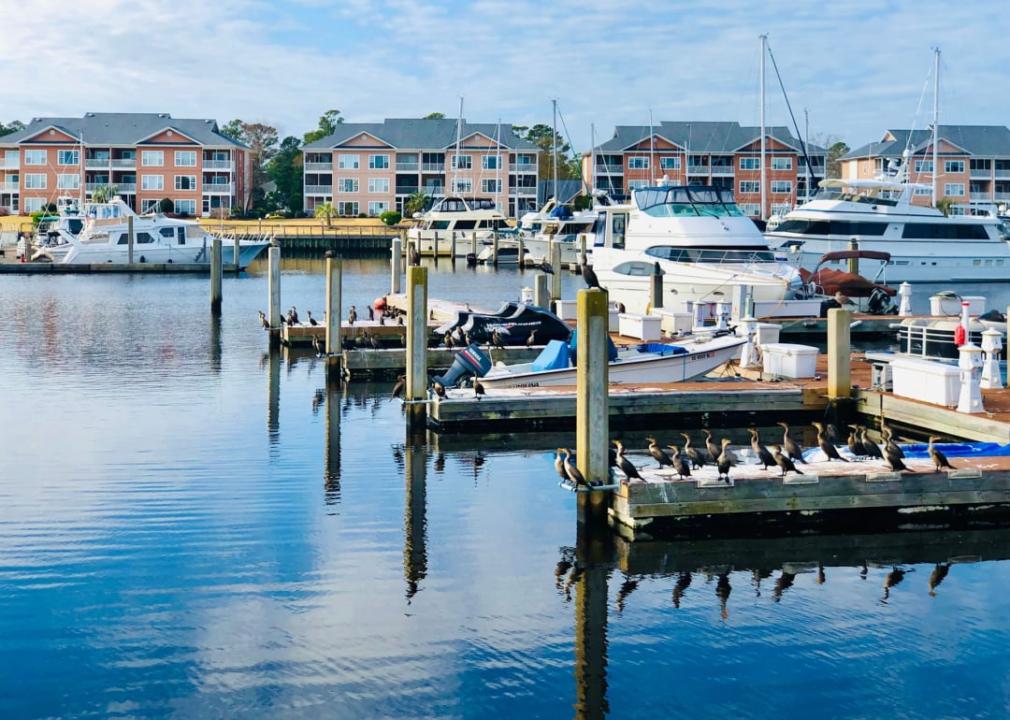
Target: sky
{"type": "Point", "coordinates": [857, 67]}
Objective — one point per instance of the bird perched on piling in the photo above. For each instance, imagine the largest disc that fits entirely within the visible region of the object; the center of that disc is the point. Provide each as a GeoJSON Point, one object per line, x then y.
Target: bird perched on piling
{"type": "Point", "coordinates": [783, 461]}
{"type": "Point", "coordinates": [478, 388]}
{"type": "Point", "coordinates": [680, 464]}
{"type": "Point", "coordinates": [352, 315]}
{"type": "Point", "coordinates": [626, 466]}
{"type": "Point", "coordinates": [589, 275]}
{"type": "Point", "coordinates": [293, 315]}
{"type": "Point", "coordinates": [439, 388]}
{"type": "Point", "coordinates": [658, 453]}
{"type": "Point", "coordinates": [559, 464]}
{"type": "Point", "coordinates": [763, 456]}
{"type": "Point", "coordinates": [696, 456]}
{"type": "Point", "coordinates": [401, 383]}
{"type": "Point", "coordinates": [546, 267]}
{"type": "Point", "coordinates": [263, 320]}
{"type": "Point", "coordinates": [572, 471]}
{"type": "Point", "coordinates": [827, 447]}
{"type": "Point", "coordinates": [726, 460]}
{"type": "Point", "coordinates": [870, 448]}
{"type": "Point", "coordinates": [793, 450]}
{"type": "Point", "coordinates": [413, 256]}
{"type": "Point", "coordinates": [940, 460]}
{"type": "Point", "coordinates": [312, 320]}
{"type": "Point", "coordinates": [713, 450]}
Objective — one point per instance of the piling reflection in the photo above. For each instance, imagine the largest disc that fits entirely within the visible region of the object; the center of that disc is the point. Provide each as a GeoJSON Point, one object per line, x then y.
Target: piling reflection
{"type": "Point", "coordinates": [215, 343]}
{"type": "Point", "coordinates": [415, 523]}
{"type": "Point", "coordinates": [274, 396]}
{"type": "Point", "coordinates": [594, 563]}
{"type": "Point", "coordinates": [331, 454]}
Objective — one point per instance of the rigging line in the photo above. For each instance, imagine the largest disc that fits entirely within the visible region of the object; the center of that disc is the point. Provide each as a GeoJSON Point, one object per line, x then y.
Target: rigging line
{"type": "Point", "coordinates": [789, 107]}
{"type": "Point", "coordinates": [568, 135]}
{"type": "Point", "coordinates": [918, 115]}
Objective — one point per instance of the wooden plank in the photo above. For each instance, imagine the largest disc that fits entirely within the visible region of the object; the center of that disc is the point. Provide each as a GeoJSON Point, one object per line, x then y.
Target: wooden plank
{"type": "Point", "coordinates": [932, 418]}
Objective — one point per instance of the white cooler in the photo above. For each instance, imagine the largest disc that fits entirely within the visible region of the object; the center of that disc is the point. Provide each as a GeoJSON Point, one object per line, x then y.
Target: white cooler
{"type": "Point", "coordinates": [643, 327]}
{"type": "Point", "coordinates": [926, 380]}
{"type": "Point", "coordinates": [789, 361]}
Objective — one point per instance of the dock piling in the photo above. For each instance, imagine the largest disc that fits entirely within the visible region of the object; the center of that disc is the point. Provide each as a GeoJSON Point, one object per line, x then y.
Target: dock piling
{"type": "Point", "coordinates": [473, 243]}
{"type": "Point", "coordinates": [216, 270]}
{"type": "Point", "coordinates": [452, 250]}
{"type": "Point", "coordinates": [656, 288]}
{"type": "Point", "coordinates": [334, 290]}
{"type": "Point", "coordinates": [236, 253]}
{"type": "Point", "coordinates": [905, 302]}
{"type": "Point", "coordinates": [582, 248]}
{"type": "Point", "coordinates": [839, 353]}
{"type": "Point", "coordinates": [969, 362]}
{"type": "Point", "coordinates": [541, 295]}
{"type": "Point", "coordinates": [521, 258]}
{"type": "Point", "coordinates": [130, 239]}
{"type": "Point", "coordinates": [854, 261]}
{"type": "Point", "coordinates": [992, 375]}
{"type": "Point", "coordinates": [555, 248]}
{"type": "Point", "coordinates": [592, 420]}
{"type": "Point", "coordinates": [494, 248]}
{"type": "Point", "coordinates": [395, 265]}
{"type": "Point", "coordinates": [434, 247]}
{"type": "Point", "coordinates": [274, 293]}
{"type": "Point", "coordinates": [417, 333]}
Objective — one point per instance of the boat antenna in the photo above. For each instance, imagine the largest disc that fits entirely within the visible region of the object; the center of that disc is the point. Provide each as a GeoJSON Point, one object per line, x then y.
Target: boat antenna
{"type": "Point", "coordinates": [789, 107]}
{"type": "Point", "coordinates": [652, 147]}
{"type": "Point", "coordinates": [806, 138]}
{"type": "Point", "coordinates": [455, 157]}
{"type": "Point", "coordinates": [591, 185]}
{"type": "Point", "coordinates": [564, 126]}
{"type": "Point", "coordinates": [936, 121]}
{"type": "Point", "coordinates": [554, 149]}
{"type": "Point", "coordinates": [687, 156]}
{"type": "Point", "coordinates": [761, 104]}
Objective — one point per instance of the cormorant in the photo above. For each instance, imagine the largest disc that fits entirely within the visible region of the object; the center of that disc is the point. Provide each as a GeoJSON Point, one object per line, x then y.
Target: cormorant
{"type": "Point", "coordinates": [312, 320]}
{"type": "Point", "coordinates": [532, 339]}
{"type": "Point", "coordinates": [439, 388]}
{"type": "Point", "coordinates": [726, 460]}
{"type": "Point", "coordinates": [855, 447]}
{"type": "Point", "coordinates": [627, 467]}
{"type": "Point", "coordinates": [263, 320]}
{"type": "Point", "coordinates": [621, 308]}
{"type": "Point", "coordinates": [559, 464]}
{"type": "Point", "coordinates": [681, 465]}
{"type": "Point", "coordinates": [371, 312]}
{"type": "Point", "coordinates": [478, 388]}
{"type": "Point", "coordinates": [889, 444]}
{"type": "Point", "coordinates": [782, 461]}
{"type": "Point", "coordinates": [352, 315]}
{"type": "Point", "coordinates": [940, 460]}
{"type": "Point", "coordinates": [831, 433]}
{"type": "Point", "coordinates": [546, 267]}
{"type": "Point", "coordinates": [589, 275]}
{"type": "Point", "coordinates": [496, 340]}
{"type": "Point", "coordinates": [658, 454]}
{"type": "Point", "coordinates": [870, 448]}
{"type": "Point", "coordinates": [713, 450]}
{"type": "Point", "coordinates": [763, 456]}
{"type": "Point", "coordinates": [793, 450]}
{"type": "Point", "coordinates": [894, 462]}
{"type": "Point", "coordinates": [293, 313]}
{"type": "Point", "coordinates": [374, 341]}
{"type": "Point", "coordinates": [572, 471]}
{"type": "Point", "coordinates": [696, 457]}
{"type": "Point", "coordinates": [413, 257]}
{"type": "Point", "coordinates": [828, 448]}
{"type": "Point", "coordinates": [448, 341]}
{"type": "Point", "coordinates": [401, 383]}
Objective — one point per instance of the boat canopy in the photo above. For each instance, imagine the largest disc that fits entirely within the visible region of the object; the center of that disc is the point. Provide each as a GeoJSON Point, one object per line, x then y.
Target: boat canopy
{"type": "Point", "coordinates": [686, 200]}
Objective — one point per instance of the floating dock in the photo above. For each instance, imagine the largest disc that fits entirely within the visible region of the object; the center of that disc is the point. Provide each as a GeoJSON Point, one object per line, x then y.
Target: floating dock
{"type": "Point", "coordinates": [45, 268]}
{"type": "Point", "coordinates": [389, 363]}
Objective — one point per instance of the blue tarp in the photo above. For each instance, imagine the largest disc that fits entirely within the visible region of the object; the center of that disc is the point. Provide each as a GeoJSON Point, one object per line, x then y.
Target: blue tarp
{"type": "Point", "coordinates": [662, 349]}
{"type": "Point", "coordinates": [573, 347]}
{"type": "Point", "coordinates": [553, 357]}
{"type": "Point", "coordinates": [976, 449]}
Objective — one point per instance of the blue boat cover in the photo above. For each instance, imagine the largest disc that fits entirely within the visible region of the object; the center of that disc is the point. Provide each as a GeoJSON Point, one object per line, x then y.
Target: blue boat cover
{"type": "Point", "coordinates": [573, 347]}
{"type": "Point", "coordinates": [553, 357]}
{"type": "Point", "coordinates": [662, 349]}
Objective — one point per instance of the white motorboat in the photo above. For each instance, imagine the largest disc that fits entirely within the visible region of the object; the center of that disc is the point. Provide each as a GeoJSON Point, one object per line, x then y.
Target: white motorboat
{"type": "Point", "coordinates": [458, 217]}
{"type": "Point", "coordinates": [924, 244]}
{"type": "Point", "coordinates": [706, 249]}
{"type": "Point", "coordinates": [100, 234]}
{"type": "Point", "coordinates": [689, 358]}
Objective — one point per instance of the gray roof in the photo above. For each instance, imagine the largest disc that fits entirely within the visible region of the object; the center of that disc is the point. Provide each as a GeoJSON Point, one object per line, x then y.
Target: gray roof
{"type": "Point", "coordinates": [123, 128]}
{"type": "Point", "coordinates": [984, 140]}
{"type": "Point", "coordinates": [420, 133]}
{"type": "Point", "coordinates": [703, 136]}
{"type": "Point", "coordinates": [567, 190]}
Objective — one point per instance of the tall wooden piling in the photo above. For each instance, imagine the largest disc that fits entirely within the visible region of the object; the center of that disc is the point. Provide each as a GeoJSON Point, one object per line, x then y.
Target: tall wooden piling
{"type": "Point", "coordinates": [131, 237]}
{"type": "Point", "coordinates": [541, 294]}
{"type": "Point", "coordinates": [839, 353]}
{"type": "Point", "coordinates": [395, 265]}
{"type": "Point", "coordinates": [592, 402]}
{"type": "Point", "coordinates": [494, 248]}
{"type": "Point", "coordinates": [555, 247]}
{"type": "Point", "coordinates": [521, 253]}
{"type": "Point", "coordinates": [473, 243]}
{"type": "Point", "coordinates": [216, 270]}
{"type": "Point", "coordinates": [656, 288]}
{"type": "Point", "coordinates": [434, 246]}
{"type": "Point", "coordinates": [854, 261]}
{"type": "Point", "coordinates": [417, 333]}
{"type": "Point", "coordinates": [452, 250]}
{"type": "Point", "coordinates": [274, 293]}
{"type": "Point", "coordinates": [334, 289]}
{"type": "Point", "coordinates": [236, 253]}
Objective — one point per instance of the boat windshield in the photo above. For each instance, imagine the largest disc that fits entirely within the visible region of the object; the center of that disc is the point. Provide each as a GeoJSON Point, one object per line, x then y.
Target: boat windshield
{"type": "Point", "coordinates": [687, 202]}
{"type": "Point", "coordinates": [712, 255]}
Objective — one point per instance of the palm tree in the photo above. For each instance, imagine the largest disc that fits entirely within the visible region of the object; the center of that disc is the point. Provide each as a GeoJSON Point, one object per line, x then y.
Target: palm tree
{"type": "Point", "coordinates": [104, 193]}
{"type": "Point", "coordinates": [414, 203]}
{"type": "Point", "coordinates": [945, 205]}
{"type": "Point", "coordinates": [328, 211]}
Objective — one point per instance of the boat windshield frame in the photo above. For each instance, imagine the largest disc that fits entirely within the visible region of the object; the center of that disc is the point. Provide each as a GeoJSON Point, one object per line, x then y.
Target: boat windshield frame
{"type": "Point", "coordinates": [687, 201]}
{"type": "Point", "coordinates": [712, 255]}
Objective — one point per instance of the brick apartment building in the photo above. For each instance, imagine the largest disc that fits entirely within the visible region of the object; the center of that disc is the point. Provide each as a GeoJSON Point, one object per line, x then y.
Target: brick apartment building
{"type": "Point", "coordinates": [145, 156]}
{"type": "Point", "coordinates": [721, 154]}
{"type": "Point", "coordinates": [373, 167]}
{"type": "Point", "coordinates": [974, 163]}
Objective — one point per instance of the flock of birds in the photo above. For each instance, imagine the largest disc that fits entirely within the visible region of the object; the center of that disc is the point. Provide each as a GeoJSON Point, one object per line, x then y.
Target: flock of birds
{"type": "Point", "coordinates": [784, 455]}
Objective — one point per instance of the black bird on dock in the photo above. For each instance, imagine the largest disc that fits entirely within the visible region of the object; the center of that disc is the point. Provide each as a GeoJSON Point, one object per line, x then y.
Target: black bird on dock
{"type": "Point", "coordinates": [894, 462]}
{"type": "Point", "coordinates": [726, 460]}
{"type": "Point", "coordinates": [352, 315]}
{"type": "Point", "coordinates": [293, 315]}
{"type": "Point", "coordinates": [890, 445]}
{"type": "Point", "coordinates": [696, 456]}
{"type": "Point", "coordinates": [940, 460]}
{"type": "Point", "coordinates": [793, 450]}
{"type": "Point", "coordinates": [658, 454]}
{"type": "Point", "coordinates": [763, 456]}
{"type": "Point", "coordinates": [680, 464]}
{"type": "Point", "coordinates": [546, 267]}
{"type": "Point", "coordinates": [870, 448]}
{"type": "Point", "coordinates": [621, 308]}
{"type": "Point", "coordinates": [448, 341]}
{"type": "Point", "coordinates": [713, 450]}
{"type": "Point", "coordinates": [573, 473]}
{"type": "Point", "coordinates": [373, 341]}
{"type": "Point", "coordinates": [589, 275]}
{"type": "Point", "coordinates": [832, 434]}
{"type": "Point", "coordinates": [627, 467]}
{"type": "Point", "coordinates": [317, 345]}
{"type": "Point", "coordinates": [263, 320]}
{"type": "Point", "coordinates": [855, 447]}
{"type": "Point", "coordinates": [439, 388]}
{"type": "Point", "coordinates": [401, 383]}
{"type": "Point", "coordinates": [478, 389]}
{"type": "Point", "coordinates": [312, 320]}
{"type": "Point", "coordinates": [559, 464]}
{"type": "Point", "coordinates": [936, 577]}
{"type": "Point", "coordinates": [827, 447]}
{"type": "Point", "coordinates": [496, 340]}
{"type": "Point", "coordinates": [782, 461]}
{"type": "Point", "coordinates": [413, 256]}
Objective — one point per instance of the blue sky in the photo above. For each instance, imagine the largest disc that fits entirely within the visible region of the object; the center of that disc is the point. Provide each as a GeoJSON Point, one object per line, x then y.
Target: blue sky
{"type": "Point", "coordinates": [858, 67]}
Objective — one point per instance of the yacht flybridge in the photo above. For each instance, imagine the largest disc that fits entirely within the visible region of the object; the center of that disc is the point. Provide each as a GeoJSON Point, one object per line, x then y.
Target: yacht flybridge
{"type": "Point", "coordinates": [924, 244]}
{"type": "Point", "coordinates": [706, 248]}
{"type": "Point", "coordinates": [455, 215]}
{"type": "Point", "coordinates": [100, 234]}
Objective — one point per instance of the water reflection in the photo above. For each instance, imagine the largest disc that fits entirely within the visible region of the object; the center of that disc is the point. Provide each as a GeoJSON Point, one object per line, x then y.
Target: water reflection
{"type": "Point", "coordinates": [331, 456]}
{"type": "Point", "coordinates": [415, 541]}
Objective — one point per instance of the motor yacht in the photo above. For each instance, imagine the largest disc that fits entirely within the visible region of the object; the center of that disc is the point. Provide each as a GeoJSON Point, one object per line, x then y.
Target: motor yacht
{"type": "Point", "coordinates": [460, 217]}
{"type": "Point", "coordinates": [553, 221]}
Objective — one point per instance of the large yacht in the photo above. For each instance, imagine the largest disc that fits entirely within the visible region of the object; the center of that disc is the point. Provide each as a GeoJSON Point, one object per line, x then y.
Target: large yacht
{"type": "Point", "coordinates": [553, 221]}
{"type": "Point", "coordinates": [454, 215]}
{"type": "Point", "coordinates": [100, 234]}
{"type": "Point", "coordinates": [924, 244]}
{"type": "Point", "coordinates": [707, 249]}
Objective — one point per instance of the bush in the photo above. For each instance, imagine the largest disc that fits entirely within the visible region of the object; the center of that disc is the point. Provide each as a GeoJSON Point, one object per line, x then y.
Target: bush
{"type": "Point", "coordinates": [362, 215]}
{"type": "Point", "coordinates": [4, 212]}
{"type": "Point", "coordinates": [390, 217]}
{"type": "Point", "coordinates": [166, 206]}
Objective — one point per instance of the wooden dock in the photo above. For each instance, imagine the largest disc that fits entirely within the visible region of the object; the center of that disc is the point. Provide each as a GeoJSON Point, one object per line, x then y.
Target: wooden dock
{"type": "Point", "coordinates": [389, 334]}
{"type": "Point", "coordinates": [46, 268]}
{"type": "Point", "coordinates": [864, 327]}
{"type": "Point", "coordinates": [389, 363]}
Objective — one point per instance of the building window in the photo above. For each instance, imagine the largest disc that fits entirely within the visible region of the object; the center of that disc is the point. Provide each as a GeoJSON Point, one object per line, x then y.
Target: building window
{"type": "Point", "coordinates": [750, 163]}
{"type": "Point", "coordinates": [637, 162]}
{"type": "Point", "coordinates": [147, 206]}
{"type": "Point", "coordinates": [749, 187]}
{"type": "Point", "coordinates": [152, 158]}
{"type": "Point", "coordinates": [462, 162]}
{"type": "Point", "coordinates": [781, 163]}
{"type": "Point", "coordinates": [953, 166]}
{"type": "Point", "coordinates": [669, 162]}
{"type": "Point", "coordinates": [347, 185]}
{"type": "Point", "coordinates": [378, 162]}
{"type": "Point", "coordinates": [782, 186]}
{"type": "Point", "coordinates": [35, 181]}
{"type": "Point", "coordinates": [68, 182]}
{"type": "Point", "coordinates": [637, 184]}
{"type": "Point", "coordinates": [378, 185]}
{"type": "Point", "coordinates": [68, 157]}
{"type": "Point", "coordinates": [489, 162]}
{"type": "Point", "coordinates": [953, 189]}
{"type": "Point", "coordinates": [924, 166]}
{"type": "Point", "coordinates": [152, 182]}
{"type": "Point", "coordinates": [750, 209]}
{"type": "Point", "coordinates": [185, 158]}
{"type": "Point", "coordinates": [36, 157]}
{"type": "Point", "coordinates": [462, 186]}
{"type": "Point", "coordinates": [185, 207]}
{"type": "Point", "coordinates": [377, 207]}
{"type": "Point", "coordinates": [349, 162]}
{"type": "Point", "coordinates": [347, 208]}
{"type": "Point", "coordinates": [185, 182]}
{"type": "Point", "coordinates": [33, 204]}
{"type": "Point", "coordinates": [490, 185]}
{"type": "Point", "coordinates": [923, 191]}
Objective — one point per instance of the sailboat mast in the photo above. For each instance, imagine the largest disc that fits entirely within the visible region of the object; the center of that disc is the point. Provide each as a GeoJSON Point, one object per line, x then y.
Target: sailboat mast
{"type": "Point", "coordinates": [764, 164]}
{"type": "Point", "coordinates": [497, 164]}
{"type": "Point", "coordinates": [84, 176]}
{"type": "Point", "coordinates": [592, 159]}
{"type": "Point", "coordinates": [554, 148]}
{"type": "Point", "coordinates": [806, 140]}
{"type": "Point", "coordinates": [455, 160]}
{"type": "Point", "coordinates": [936, 122]}
{"type": "Point", "coordinates": [652, 147]}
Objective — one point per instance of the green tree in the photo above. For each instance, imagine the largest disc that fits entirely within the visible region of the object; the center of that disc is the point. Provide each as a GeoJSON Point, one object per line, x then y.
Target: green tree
{"type": "Point", "coordinates": [945, 205]}
{"type": "Point", "coordinates": [261, 139]}
{"type": "Point", "coordinates": [166, 206]}
{"type": "Point", "coordinates": [233, 129]}
{"type": "Point", "coordinates": [435, 116]}
{"type": "Point", "coordinates": [326, 211]}
{"type": "Point", "coordinates": [544, 138]}
{"type": "Point", "coordinates": [414, 203]}
{"type": "Point", "coordinates": [104, 193]}
{"type": "Point", "coordinates": [835, 152]}
{"type": "Point", "coordinates": [285, 171]}
{"type": "Point", "coordinates": [11, 127]}
{"type": "Point", "coordinates": [327, 126]}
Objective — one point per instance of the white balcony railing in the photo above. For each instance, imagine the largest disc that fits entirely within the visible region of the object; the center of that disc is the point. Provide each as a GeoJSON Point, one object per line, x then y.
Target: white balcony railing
{"type": "Point", "coordinates": [125, 187]}
{"type": "Point", "coordinates": [1001, 196]}
{"type": "Point", "coordinates": [980, 174]}
{"type": "Point", "coordinates": [97, 163]}
{"type": "Point", "coordinates": [1001, 173]}
{"type": "Point", "coordinates": [9, 187]}
{"type": "Point", "coordinates": [318, 167]}
{"type": "Point", "coordinates": [433, 167]}
{"type": "Point", "coordinates": [525, 191]}
{"type": "Point", "coordinates": [124, 162]}
{"type": "Point", "coordinates": [218, 164]}
{"type": "Point", "coordinates": [698, 169]}
{"type": "Point", "coordinates": [722, 169]}
{"type": "Point", "coordinates": [408, 166]}
{"type": "Point", "coordinates": [981, 196]}
{"type": "Point", "coordinates": [218, 188]}
{"type": "Point", "coordinates": [318, 189]}
{"type": "Point", "coordinates": [12, 164]}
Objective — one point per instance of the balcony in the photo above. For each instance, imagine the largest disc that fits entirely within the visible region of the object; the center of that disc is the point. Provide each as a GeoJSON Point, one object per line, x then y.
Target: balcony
{"type": "Point", "coordinates": [524, 168]}
{"type": "Point", "coordinates": [9, 187]}
{"type": "Point", "coordinates": [434, 189]}
{"type": "Point", "coordinates": [96, 163]}
{"type": "Point", "coordinates": [219, 165]}
{"type": "Point", "coordinates": [723, 170]}
{"type": "Point", "coordinates": [316, 189]}
{"type": "Point", "coordinates": [980, 173]}
{"type": "Point", "coordinates": [1001, 196]}
{"type": "Point", "coordinates": [124, 163]}
{"type": "Point", "coordinates": [981, 196]}
{"type": "Point", "coordinates": [219, 188]}
{"type": "Point", "coordinates": [313, 167]}
{"type": "Point", "coordinates": [9, 163]}
{"type": "Point", "coordinates": [122, 188]}
{"type": "Point", "coordinates": [433, 167]}
{"type": "Point", "coordinates": [697, 169]}
{"type": "Point", "coordinates": [408, 166]}
{"type": "Point", "coordinates": [406, 189]}
{"type": "Point", "coordinates": [523, 191]}
{"type": "Point", "coordinates": [1003, 172]}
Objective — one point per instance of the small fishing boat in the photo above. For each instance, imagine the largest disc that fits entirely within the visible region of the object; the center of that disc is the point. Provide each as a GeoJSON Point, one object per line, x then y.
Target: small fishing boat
{"type": "Point", "coordinates": [649, 362]}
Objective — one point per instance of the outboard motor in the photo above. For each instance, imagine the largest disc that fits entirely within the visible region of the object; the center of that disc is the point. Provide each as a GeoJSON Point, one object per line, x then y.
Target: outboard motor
{"type": "Point", "coordinates": [469, 361]}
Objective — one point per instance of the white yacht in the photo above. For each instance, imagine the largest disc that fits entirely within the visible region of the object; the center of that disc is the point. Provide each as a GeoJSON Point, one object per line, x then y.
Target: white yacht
{"type": "Point", "coordinates": [924, 244]}
{"type": "Point", "coordinates": [462, 217]}
{"type": "Point", "coordinates": [708, 252]}
{"type": "Point", "coordinates": [99, 234]}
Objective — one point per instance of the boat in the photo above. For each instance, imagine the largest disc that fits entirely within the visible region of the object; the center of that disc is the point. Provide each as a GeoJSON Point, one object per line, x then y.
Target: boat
{"type": "Point", "coordinates": [513, 322]}
{"type": "Point", "coordinates": [552, 222]}
{"type": "Point", "coordinates": [459, 217]}
{"type": "Point", "coordinates": [924, 245]}
{"type": "Point", "coordinates": [100, 234]}
{"type": "Point", "coordinates": [827, 282]}
{"type": "Point", "coordinates": [707, 250]}
{"type": "Point", "coordinates": [689, 358]}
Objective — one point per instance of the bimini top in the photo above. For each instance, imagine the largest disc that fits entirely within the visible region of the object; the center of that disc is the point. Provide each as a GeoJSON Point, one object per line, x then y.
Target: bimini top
{"type": "Point", "coordinates": [686, 201]}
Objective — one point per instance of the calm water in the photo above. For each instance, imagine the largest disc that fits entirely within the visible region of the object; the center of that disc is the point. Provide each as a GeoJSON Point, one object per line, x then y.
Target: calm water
{"type": "Point", "coordinates": [190, 527]}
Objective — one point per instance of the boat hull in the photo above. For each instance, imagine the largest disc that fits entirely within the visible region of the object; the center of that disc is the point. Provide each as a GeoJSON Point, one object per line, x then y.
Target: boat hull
{"type": "Point", "coordinates": [83, 254]}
